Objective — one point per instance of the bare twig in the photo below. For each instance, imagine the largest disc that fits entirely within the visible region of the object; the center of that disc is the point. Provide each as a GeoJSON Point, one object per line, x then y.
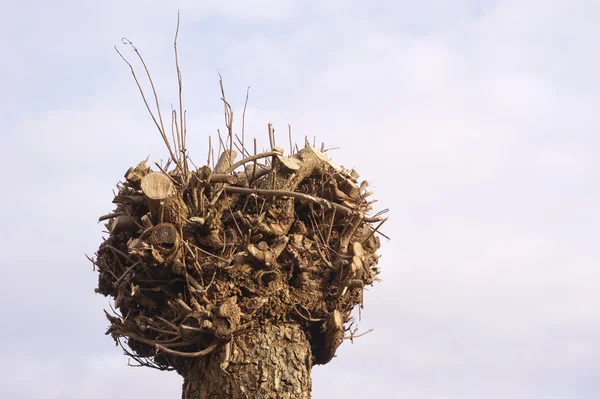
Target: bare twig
{"type": "Point", "coordinates": [181, 133]}
{"type": "Point", "coordinates": [254, 168]}
{"type": "Point", "coordinates": [186, 354]}
{"type": "Point", "coordinates": [290, 137]}
{"type": "Point", "coordinates": [159, 123]}
{"type": "Point", "coordinates": [352, 336]}
{"type": "Point", "coordinates": [374, 230]}
{"type": "Point", "coordinates": [110, 216]}
{"type": "Point", "coordinates": [228, 110]}
{"type": "Point", "coordinates": [115, 250]}
{"type": "Point", "coordinates": [271, 136]}
{"type": "Point", "coordinates": [299, 196]}
{"type": "Point", "coordinates": [209, 150]}
{"type": "Point", "coordinates": [244, 115]}
{"type": "Point", "coordinates": [250, 159]}
{"type": "Point", "coordinates": [130, 268]}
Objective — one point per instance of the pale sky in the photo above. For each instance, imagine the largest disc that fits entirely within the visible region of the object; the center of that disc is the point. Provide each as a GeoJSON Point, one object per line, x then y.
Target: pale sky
{"type": "Point", "coordinates": [475, 121]}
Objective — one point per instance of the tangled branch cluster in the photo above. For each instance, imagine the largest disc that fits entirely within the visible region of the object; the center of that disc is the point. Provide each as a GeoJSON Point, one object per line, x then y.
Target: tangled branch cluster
{"type": "Point", "coordinates": [193, 259]}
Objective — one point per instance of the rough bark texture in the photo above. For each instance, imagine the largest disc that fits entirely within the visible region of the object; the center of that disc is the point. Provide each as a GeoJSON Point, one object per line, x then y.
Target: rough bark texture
{"type": "Point", "coordinates": [270, 362]}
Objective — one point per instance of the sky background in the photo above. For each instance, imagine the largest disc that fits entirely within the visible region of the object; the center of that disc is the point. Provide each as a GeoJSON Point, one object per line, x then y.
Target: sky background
{"type": "Point", "coordinates": [476, 122]}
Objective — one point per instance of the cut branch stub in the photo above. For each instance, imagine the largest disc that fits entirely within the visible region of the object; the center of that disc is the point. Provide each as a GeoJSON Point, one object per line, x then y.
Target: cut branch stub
{"type": "Point", "coordinates": [135, 175]}
{"type": "Point", "coordinates": [332, 338]}
{"type": "Point", "coordinates": [225, 161]}
{"type": "Point", "coordinates": [165, 235]}
{"type": "Point", "coordinates": [123, 223]}
{"type": "Point", "coordinates": [228, 318]}
{"type": "Point", "coordinates": [198, 327]}
{"type": "Point", "coordinates": [265, 254]}
{"type": "Point", "coordinates": [163, 200]}
{"type": "Point", "coordinates": [307, 161]}
{"type": "Point", "coordinates": [291, 164]}
{"type": "Point", "coordinates": [157, 186]}
{"type": "Point", "coordinates": [261, 253]}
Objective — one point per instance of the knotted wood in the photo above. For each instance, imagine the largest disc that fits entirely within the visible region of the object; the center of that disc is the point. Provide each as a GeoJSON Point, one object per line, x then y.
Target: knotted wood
{"type": "Point", "coordinates": [272, 362]}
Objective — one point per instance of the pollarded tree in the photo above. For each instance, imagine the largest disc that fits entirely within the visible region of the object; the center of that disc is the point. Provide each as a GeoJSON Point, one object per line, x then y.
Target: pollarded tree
{"type": "Point", "coordinates": [239, 275]}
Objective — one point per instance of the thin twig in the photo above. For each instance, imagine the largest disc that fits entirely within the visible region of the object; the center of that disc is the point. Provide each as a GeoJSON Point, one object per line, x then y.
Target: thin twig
{"type": "Point", "coordinates": [115, 250]}
{"type": "Point", "coordinates": [212, 280]}
{"type": "Point", "coordinates": [209, 150]}
{"type": "Point", "coordinates": [181, 135]}
{"type": "Point", "coordinates": [352, 336]}
{"type": "Point", "coordinates": [299, 196]}
{"type": "Point", "coordinates": [234, 219]}
{"type": "Point", "coordinates": [254, 168]}
{"type": "Point", "coordinates": [244, 115]}
{"type": "Point", "coordinates": [243, 149]}
{"type": "Point", "coordinates": [130, 268]}
{"type": "Point", "coordinates": [331, 225]}
{"type": "Point", "coordinates": [374, 230]}
{"type": "Point", "coordinates": [93, 262]}
{"type": "Point", "coordinates": [159, 123]}
{"type": "Point", "coordinates": [110, 216]}
{"type": "Point", "coordinates": [271, 138]}
{"type": "Point", "coordinates": [209, 254]}
{"type": "Point", "coordinates": [228, 112]}
{"type": "Point", "coordinates": [186, 354]}
{"type": "Point", "coordinates": [290, 137]}
{"type": "Point", "coordinates": [250, 159]}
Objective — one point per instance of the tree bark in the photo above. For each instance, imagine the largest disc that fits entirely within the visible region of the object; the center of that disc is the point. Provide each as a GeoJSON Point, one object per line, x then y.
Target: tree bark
{"type": "Point", "coordinates": [269, 362]}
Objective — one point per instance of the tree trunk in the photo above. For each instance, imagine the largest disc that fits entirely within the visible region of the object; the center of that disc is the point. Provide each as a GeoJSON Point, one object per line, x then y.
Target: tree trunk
{"type": "Point", "coordinates": [270, 362]}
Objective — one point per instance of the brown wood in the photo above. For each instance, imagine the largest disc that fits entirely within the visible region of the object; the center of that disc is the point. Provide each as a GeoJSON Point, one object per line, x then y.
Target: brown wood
{"type": "Point", "coordinates": [123, 223]}
{"type": "Point", "coordinates": [225, 161]}
{"type": "Point", "coordinates": [240, 281]}
{"type": "Point", "coordinates": [157, 186]}
{"type": "Point", "coordinates": [165, 234]}
{"type": "Point", "coordinates": [332, 338]}
{"type": "Point", "coordinates": [135, 175]}
{"type": "Point", "coordinates": [164, 201]}
{"type": "Point", "coordinates": [271, 362]}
